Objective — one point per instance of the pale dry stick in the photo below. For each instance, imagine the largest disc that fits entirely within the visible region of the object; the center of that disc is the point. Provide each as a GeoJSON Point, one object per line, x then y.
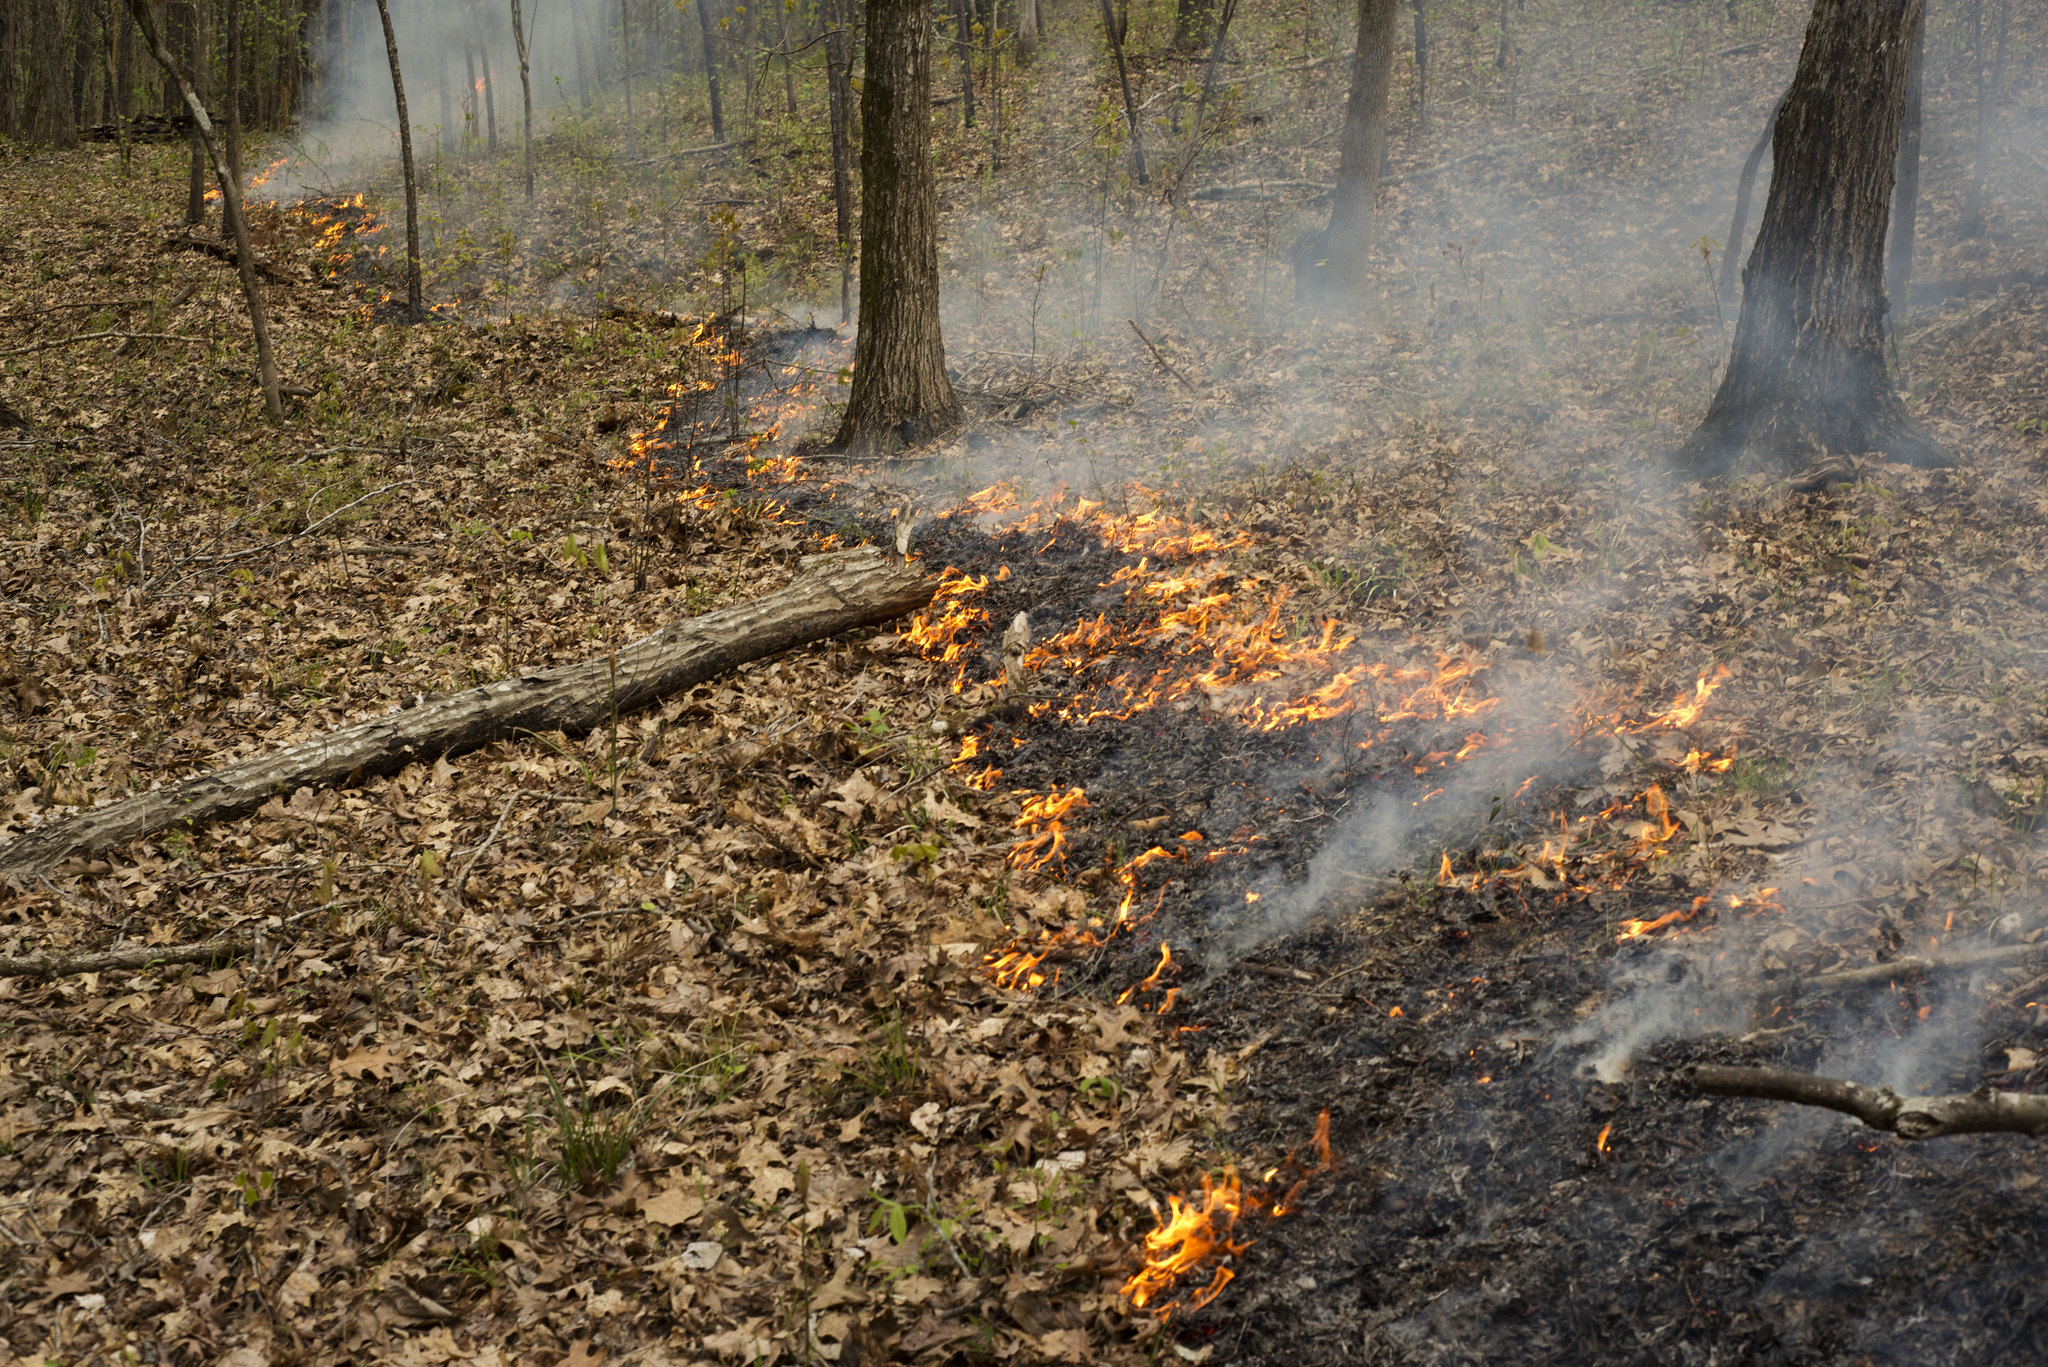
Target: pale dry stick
{"type": "Point", "coordinates": [211, 560]}
{"type": "Point", "coordinates": [1922, 963]}
{"type": "Point", "coordinates": [101, 337]}
{"type": "Point", "coordinates": [72, 308]}
{"type": "Point", "coordinates": [1983, 1111]}
{"type": "Point", "coordinates": [118, 960]}
{"type": "Point", "coordinates": [463, 877]}
{"type": "Point", "coordinates": [1164, 364]}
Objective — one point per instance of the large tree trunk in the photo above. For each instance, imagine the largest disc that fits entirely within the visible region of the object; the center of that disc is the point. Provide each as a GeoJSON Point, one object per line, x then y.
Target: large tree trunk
{"type": "Point", "coordinates": [838, 593]}
{"type": "Point", "coordinates": [900, 389]}
{"type": "Point", "coordinates": [1335, 260]}
{"type": "Point", "coordinates": [1191, 20]}
{"type": "Point", "coordinates": [1027, 31]}
{"type": "Point", "coordinates": [1898, 271]}
{"type": "Point", "coordinates": [1807, 375]}
{"type": "Point", "coordinates": [414, 308]}
{"type": "Point", "coordinates": [49, 102]}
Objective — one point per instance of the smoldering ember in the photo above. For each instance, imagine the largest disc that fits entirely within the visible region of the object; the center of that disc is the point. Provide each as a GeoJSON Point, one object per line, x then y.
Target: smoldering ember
{"type": "Point", "coordinates": [1220, 682]}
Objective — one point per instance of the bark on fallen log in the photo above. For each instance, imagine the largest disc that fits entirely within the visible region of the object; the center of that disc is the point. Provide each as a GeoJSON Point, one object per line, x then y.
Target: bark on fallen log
{"type": "Point", "coordinates": [121, 960]}
{"type": "Point", "coordinates": [833, 594]}
{"type": "Point", "coordinates": [1983, 1111]}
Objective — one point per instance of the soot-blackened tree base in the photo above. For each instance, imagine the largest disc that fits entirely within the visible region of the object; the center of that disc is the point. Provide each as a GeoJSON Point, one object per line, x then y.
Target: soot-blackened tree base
{"type": "Point", "coordinates": [901, 393]}
{"type": "Point", "coordinates": [1807, 378]}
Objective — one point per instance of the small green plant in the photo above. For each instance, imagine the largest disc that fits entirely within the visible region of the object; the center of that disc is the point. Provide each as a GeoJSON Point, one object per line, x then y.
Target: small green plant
{"type": "Point", "coordinates": [919, 855]}
{"type": "Point", "coordinates": [592, 1142]}
{"type": "Point", "coordinates": [254, 1187]}
{"type": "Point", "coordinates": [889, 1069]}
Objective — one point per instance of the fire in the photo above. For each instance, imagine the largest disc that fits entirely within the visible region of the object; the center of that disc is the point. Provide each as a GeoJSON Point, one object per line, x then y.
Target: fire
{"type": "Point", "coordinates": [1048, 832]}
{"type": "Point", "coordinates": [1197, 1235]}
{"type": "Point", "coordinates": [1685, 709]}
{"type": "Point", "coordinates": [1600, 1144]}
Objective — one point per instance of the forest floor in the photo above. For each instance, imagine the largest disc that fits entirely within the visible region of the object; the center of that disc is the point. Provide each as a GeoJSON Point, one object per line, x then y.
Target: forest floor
{"type": "Point", "coordinates": [1463, 777]}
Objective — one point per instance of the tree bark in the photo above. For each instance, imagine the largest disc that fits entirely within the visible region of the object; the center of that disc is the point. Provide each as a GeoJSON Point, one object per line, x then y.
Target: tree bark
{"type": "Point", "coordinates": [836, 593]}
{"type": "Point", "coordinates": [1731, 252]}
{"type": "Point", "coordinates": [49, 103]}
{"type": "Point", "coordinates": [1898, 274]}
{"type": "Point", "coordinates": [413, 304]}
{"type": "Point", "coordinates": [1114, 32]}
{"type": "Point", "coordinates": [586, 75]}
{"type": "Point", "coordinates": [1807, 377]}
{"type": "Point", "coordinates": [233, 19]}
{"type": "Point", "coordinates": [525, 94]}
{"type": "Point", "coordinates": [1421, 69]}
{"type": "Point", "coordinates": [1027, 31]}
{"type": "Point", "coordinates": [1191, 23]}
{"type": "Point", "coordinates": [703, 8]}
{"type": "Point", "coordinates": [964, 40]}
{"type": "Point", "coordinates": [233, 218]}
{"type": "Point", "coordinates": [200, 51]}
{"type": "Point", "coordinates": [626, 69]}
{"type": "Point", "coordinates": [1989, 73]}
{"type": "Point", "coordinates": [1983, 1111]}
{"type": "Point", "coordinates": [1336, 258]}
{"type": "Point", "coordinates": [839, 91]}
{"type": "Point", "coordinates": [900, 389]}
{"type": "Point", "coordinates": [483, 51]}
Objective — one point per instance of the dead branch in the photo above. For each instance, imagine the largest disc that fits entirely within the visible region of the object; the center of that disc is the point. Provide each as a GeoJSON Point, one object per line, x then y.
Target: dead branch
{"type": "Point", "coordinates": [1164, 364]}
{"type": "Point", "coordinates": [101, 337]}
{"type": "Point", "coordinates": [1923, 963]}
{"type": "Point", "coordinates": [831, 594]}
{"type": "Point", "coordinates": [121, 960]}
{"type": "Point", "coordinates": [1983, 1111]}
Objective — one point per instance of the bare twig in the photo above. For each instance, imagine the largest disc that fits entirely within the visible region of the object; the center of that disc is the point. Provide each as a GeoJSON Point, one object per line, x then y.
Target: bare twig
{"type": "Point", "coordinates": [1923, 963]}
{"type": "Point", "coordinates": [1164, 364]}
{"type": "Point", "coordinates": [286, 540]}
{"type": "Point", "coordinates": [101, 337]}
{"type": "Point", "coordinates": [1983, 1111]}
{"type": "Point", "coordinates": [118, 960]}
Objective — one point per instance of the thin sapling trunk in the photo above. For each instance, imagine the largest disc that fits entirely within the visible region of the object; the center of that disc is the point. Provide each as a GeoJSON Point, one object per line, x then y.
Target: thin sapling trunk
{"type": "Point", "coordinates": [413, 305]}
{"type": "Point", "coordinates": [525, 93]}
{"type": "Point", "coordinates": [231, 207]}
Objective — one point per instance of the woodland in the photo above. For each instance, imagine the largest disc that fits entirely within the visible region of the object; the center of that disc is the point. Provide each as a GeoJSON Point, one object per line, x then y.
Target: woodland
{"type": "Point", "coordinates": [1216, 681]}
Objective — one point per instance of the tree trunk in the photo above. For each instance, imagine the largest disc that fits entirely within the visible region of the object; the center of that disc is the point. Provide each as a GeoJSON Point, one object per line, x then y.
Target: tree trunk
{"type": "Point", "coordinates": [525, 94]}
{"type": "Point", "coordinates": [839, 91]}
{"type": "Point", "coordinates": [124, 66]}
{"type": "Point", "coordinates": [788, 77]}
{"type": "Point", "coordinates": [413, 304]}
{"type": "Point", "coordinates": [711, 68]}
{"type": "Point", "coordinates": [233, 218]}
{"type": "Point", "coordinates": [1898, 274]}
{"type": "Point", "coordinates": [472, 107]}
{"type": "Point", "coordinates": [1745, 185]}
{"type": "Point", "coordinates": [965, 42]}
{"type": "Point", "coordinates": [585, 75]}
{"type": "Point", "coordinates": [900, 390]}
{"type": "Point", "coordinates": [11, 121]}
{"type": "Point", "coordinates": [200, 53]}
{"type": "Point", "coordinates": [837, 593]}
{"type": "Point", "coordinates": [49, 103]}
{"type": "Point", "coordinates": [626, 69]}
{"type": "Point", "coordinates": [1338, 262]}
{"type": "Point", "coordinates": [1191, 23]}
{"type": "Point", "coordinates": [1115, 33]}
{"type": "Point", "coordinates": [1988, 74]}
{"type": "Point", "coordinates": [447, 101]}
{"type": "Point", "coordinates": [1027, 31]}
{"type": "Point", "coordinates": [233, 19]}
{"type": "Point", "coordinates": [1807, 375]}
{"type": "Point", "coordinates": [483, 49]}
{"type": "Point", "coordinates": [1421, 69]}
{"type": "Point", "coordinates": [83, 13]}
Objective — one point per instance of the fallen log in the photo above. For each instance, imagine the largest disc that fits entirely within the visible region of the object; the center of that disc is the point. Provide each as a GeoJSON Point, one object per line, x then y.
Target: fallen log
{"type": "Point", "coordinates": [120, 960]}
{"type": "Point", "coordinates": [1983, 1111]}
{"type": "Point", "coordinates": [831, 594]}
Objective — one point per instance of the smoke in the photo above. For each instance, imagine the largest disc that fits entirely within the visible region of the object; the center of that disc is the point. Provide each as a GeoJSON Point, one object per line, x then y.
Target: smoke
{"type": "Point", "coordinates": [445, 49]}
